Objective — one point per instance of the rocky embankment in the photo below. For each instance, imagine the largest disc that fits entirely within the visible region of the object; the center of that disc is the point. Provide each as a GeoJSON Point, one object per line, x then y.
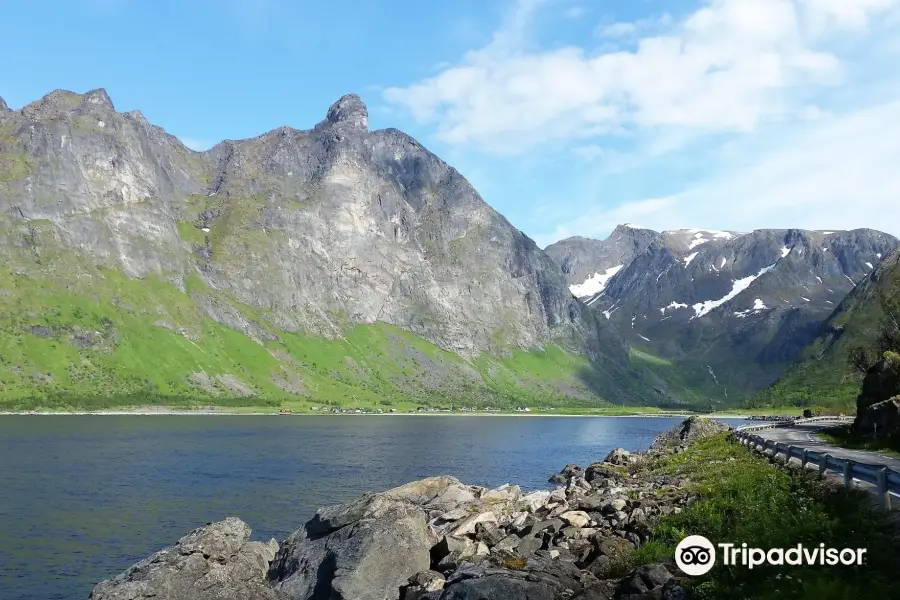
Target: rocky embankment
{"type": "Point", "coordinates": [439, 539]}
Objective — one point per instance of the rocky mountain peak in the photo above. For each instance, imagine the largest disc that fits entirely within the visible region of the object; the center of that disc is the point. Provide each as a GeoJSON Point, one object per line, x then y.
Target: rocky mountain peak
{"type": "Point", "coordinates": [349, 110]}
{"type": "Point", "coordinates": [65, 101]}
{"type": "Point", "coordinates": [3, 105]}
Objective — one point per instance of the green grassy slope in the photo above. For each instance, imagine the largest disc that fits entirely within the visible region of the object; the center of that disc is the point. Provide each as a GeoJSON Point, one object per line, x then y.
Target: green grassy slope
{"type": "Point", "coordinates": [822, 376]}
{"type": "Point", "coordinates": [76, 336]}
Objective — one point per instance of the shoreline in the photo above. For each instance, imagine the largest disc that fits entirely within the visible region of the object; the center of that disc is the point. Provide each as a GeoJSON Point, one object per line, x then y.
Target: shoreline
{"type": "Point", "coordinates": [214, 413]}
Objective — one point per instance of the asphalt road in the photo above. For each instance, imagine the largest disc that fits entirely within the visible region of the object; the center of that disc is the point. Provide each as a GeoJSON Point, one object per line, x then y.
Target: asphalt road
{"type": "Point", "coordinates": [804, 436]}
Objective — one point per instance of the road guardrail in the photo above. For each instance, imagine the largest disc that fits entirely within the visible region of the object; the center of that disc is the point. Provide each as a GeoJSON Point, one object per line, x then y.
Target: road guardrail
{"type": "Point", "coordinates": [885, 480]}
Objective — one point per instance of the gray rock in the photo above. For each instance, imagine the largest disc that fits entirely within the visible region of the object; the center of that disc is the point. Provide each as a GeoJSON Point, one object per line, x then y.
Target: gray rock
{"type": "Point", "coordinates": [459, 547]}
{"type": "Point", "coordinates": [615, 548]}
{"type": "Point", "coordinates": [358, 551]}
{"type": "Point", "coordinates": [528, 546]}
{"type": "Point", "coordinates": [551, 525]}
{"type": "Point", "coordinates": [576, 518]}
{"type": "Point", "coordinates": [687, 431]}
{"type": "Point", "coordinates": [316, 230]}
{"type": "Point", "coordinates": [497, 587]}
{"type": "Point", "coordinates": [489, 533]}
{"type": "Point", "coordinates": [619, 456]}
{"type": "Point", "coordinates": [591, 503]}
{"type": "Point", "coordinates": [215, 562]}
{"type": "Point", "coordinates": [642, 580]}
{"type": "Point", "coordinates": [421, 585]}
{"type": "Point", "coordinates": [507, 544]}
{"type": "Point", "coordinates": [672, 590]}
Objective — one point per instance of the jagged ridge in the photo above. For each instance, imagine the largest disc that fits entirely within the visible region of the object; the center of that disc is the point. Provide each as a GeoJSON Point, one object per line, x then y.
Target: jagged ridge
{"type": "Point", "coordinates": [294, 231]}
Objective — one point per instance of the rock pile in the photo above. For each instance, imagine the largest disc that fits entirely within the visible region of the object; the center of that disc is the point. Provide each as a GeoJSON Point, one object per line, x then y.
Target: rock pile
{"type": "Point", "coordinates": [678, 438]}
{"type": "Point", "coordinates": [439, 539]}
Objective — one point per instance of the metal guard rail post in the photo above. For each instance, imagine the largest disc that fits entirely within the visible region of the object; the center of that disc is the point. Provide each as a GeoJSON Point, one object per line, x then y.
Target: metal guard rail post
{"type": "Point", "coordinates": [884, 479]}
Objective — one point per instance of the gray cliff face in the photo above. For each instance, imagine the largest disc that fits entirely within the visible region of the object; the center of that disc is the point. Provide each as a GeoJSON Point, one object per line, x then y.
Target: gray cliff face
{"type": "Point", "coordinates": [737, 308]}
{"type": "Point", "coordinates": [318, 228]}
{"type": "Point", "coordinates": [583, 258]}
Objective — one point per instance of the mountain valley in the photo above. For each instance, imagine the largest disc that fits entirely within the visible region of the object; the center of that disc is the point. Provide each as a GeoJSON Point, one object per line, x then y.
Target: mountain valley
{"type": "Point", "coordinates": [721, 312]}
{"type": "Point", "coordinates": [348, 267]}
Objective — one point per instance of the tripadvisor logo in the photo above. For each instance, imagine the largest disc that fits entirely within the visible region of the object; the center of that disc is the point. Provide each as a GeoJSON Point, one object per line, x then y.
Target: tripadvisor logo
{"type": "Point", "coordinates": [696, 555]}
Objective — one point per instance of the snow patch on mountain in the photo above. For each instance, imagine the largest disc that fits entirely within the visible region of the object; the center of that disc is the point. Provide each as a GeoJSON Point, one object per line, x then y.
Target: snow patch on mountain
{"type": "Point", "coordinates": [868, 264]}
{"type": "Point", "coordinates": [713, 232]}
{"type": "Point", "coordinates": [594, 284]}
{"type": "Point", "coordinates": [785, 251]}
{"type": "Point", "coordinates": [738, 286]}
{"type": "Point", "coordinates": [689, 258]}
{"type": "Point", "coordinates": [698, 239]}
{"type": "Point", "coordinates": [672, 304]}
{"type": "Point", "coordinates": [759, 305]}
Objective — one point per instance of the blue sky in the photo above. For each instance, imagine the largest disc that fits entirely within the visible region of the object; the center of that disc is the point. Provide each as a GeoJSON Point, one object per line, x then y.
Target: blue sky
{"type": "Point", "coordinates": [569, 116]}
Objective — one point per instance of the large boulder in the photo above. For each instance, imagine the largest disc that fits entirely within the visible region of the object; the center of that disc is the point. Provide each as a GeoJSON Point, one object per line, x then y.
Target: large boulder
{"type": "Point", "coordinates": [495, 587]}
{"type": "Point", "coordinates": [875, 405]}
{"type": "Point", "coordinates": [216, 562]}
{"type": "Point", "coordinates": [620, 457]}
{"type": "Point", "coordinates": [685, 433]}
{"type": "Point", "coordinates": [881, 419]}
{"type": "Point", "coordinates": [363, 550]}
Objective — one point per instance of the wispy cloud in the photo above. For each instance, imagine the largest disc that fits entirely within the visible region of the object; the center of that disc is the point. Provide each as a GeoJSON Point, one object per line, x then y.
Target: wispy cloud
{"type": "Point", "coordinates": [773, 113]}
{"type": "Point", "coordinates": [840, 175]}
{"type": "Point", "coordinates": [726, 67]}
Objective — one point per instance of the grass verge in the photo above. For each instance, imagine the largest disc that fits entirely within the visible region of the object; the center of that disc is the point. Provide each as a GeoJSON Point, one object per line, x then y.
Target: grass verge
{"type": "Point", "coordinates": [844, 437]}
{"type": "Point", "coordinates": [744, 499]}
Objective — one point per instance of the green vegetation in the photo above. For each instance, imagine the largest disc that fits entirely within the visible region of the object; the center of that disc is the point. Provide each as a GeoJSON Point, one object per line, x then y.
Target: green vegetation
{"type": "Point", "coordinates": [14, 167]}
{"type": "Point", "coordinates": [829, 372]}
{"type": "Point", "coordinates": [844, 436]}
{"type": "Point", "coordinates": [79, 337]}
{"type": "Point", "coordinates": [689, 380]}
{"type": "Point", "coordinates": [743, 499]}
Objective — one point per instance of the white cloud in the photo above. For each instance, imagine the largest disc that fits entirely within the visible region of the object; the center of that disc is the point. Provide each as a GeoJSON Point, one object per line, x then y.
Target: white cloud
{"type": "Point", "coordinates": [729, 66]}
{"type": "Point", "coordinates": [574, 12]}
{"type": "Point", "coordinates": [598, 220]}
{"type": "Point", "coordinates": [840, 175]}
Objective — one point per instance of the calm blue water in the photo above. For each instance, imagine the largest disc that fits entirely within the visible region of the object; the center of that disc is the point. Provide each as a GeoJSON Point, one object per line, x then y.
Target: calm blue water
{"type": "Point", "coordinates": [84, 497]}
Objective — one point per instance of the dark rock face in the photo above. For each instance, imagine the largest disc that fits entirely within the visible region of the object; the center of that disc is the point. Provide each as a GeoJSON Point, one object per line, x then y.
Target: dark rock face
{"type": "Point", "coordinates": [581, 258]}
{"type": "Point", "coordinates": [317, 230]}
{"type": "Point", "coordinates": [878, 404]}
{"type": "Point", "coordinates": [335, 219]}
{"type": "Point", "coordinates": [732, 309]}
{"type": "Point", "coordinates": [216, 562]}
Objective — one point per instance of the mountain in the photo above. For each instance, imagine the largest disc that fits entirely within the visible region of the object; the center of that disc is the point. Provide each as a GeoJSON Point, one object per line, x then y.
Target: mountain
{"type": "Point", "coordinates": [720, 313]}
{"type": "Point", "coordinates": [335, 264]}
{"type": "Point", "coordinates": [589, 264]}
{"type": "Point", "coordinates": [822, 374]}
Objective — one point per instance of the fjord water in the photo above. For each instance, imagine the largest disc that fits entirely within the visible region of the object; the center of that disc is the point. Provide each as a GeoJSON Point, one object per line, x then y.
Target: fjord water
{"type": "Point", "coordinates": [84, 497]}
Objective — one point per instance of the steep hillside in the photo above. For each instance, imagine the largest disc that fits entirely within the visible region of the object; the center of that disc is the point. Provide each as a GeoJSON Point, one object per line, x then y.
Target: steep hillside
{"type": "Point", "coordinates": [333, 264]}
{"type": "Point", "coordinates": [822, 375]}
{"type": "Point", "coordinates": [722, 313]}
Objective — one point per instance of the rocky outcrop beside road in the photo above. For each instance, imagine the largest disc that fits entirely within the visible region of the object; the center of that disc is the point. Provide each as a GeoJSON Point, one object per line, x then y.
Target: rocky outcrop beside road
{"type": "Point", "coordinates": [440, 539]}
